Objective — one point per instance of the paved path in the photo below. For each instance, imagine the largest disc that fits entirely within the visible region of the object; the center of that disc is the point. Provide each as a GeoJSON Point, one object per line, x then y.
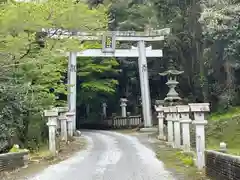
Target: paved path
{"type": "Point", "coordinates": [110, 156]}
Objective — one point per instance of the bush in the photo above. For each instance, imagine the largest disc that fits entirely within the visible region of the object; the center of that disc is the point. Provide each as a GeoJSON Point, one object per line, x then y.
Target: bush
{"type": "Point", "coordinates": [16, 148]}
{"type": "Point", "coordinates": [186, 159]}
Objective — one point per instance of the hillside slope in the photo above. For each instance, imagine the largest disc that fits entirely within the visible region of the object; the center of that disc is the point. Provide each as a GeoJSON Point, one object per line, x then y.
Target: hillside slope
{"type": "Point", "coordinates": [224, 128]}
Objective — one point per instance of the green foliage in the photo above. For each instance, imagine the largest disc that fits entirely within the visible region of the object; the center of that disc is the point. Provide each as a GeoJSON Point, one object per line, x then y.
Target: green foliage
{"type": "Point", "coordinates": [16, 148]}
{"type": "Point", "coordinates": [219, 20]}
{"type": "Point", "coordinates": [204, 43]}
{"type": "Point", "coordinates": [183, 167]}
{"type": "Point", "coordinates": [226, 130]}
{"type": "Point", "coordinates": [31, 65]}
{"type": "Point", "coordinates": [97, 79]}
{"type": "Point", "coordinates": [186, 159]}
{"type": "Point", "coordinates": [227, 114]}
{"type": "Point", "coordinates": [104, 86]}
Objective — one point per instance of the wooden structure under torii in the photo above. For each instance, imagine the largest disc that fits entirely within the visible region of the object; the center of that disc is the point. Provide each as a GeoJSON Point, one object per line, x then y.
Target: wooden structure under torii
{"type": "Point", "coordinates": [109, 40]}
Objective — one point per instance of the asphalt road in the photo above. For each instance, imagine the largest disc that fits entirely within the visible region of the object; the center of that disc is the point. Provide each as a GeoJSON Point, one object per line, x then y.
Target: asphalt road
{"type": "Point", "coordinates": [109, 156]}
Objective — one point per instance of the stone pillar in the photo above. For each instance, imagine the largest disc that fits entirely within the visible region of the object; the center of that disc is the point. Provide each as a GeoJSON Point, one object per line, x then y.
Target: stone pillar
{"type": "Point", "coordinates": [70, 116]}
{"type": "Point", "coordinates": [52, 125]}
{"type": "Point", "coordinates": [198, 110]}
{"type": "Point", "coordinates": [104, 106]}
{"type": "Point", "coordinates": [123, 107]}
{"type": "Point", "coordinates": [62, 112]}
{"type": "Point", "coordinates": [160, 111]}
{"type": "Point", "coordinates": [58, 123]}
{"type": "Point", "coordinates": [72, 81]}
{"type": "Point", "coordinates": [169, 119]}
{"type": "Point", "coordinates": [63, 121]}
{"type": "Point", "coordinates": [176, 124]}
{"type": "Point", "coordinates": [185, 121]}
{"type": "Point", "coordinates": [144, 85]}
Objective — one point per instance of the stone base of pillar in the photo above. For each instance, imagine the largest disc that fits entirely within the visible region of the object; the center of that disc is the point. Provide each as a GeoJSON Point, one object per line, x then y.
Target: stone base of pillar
{"type": "Point", "coordinates": [149, 129]}
{"type": "Point", "coordinates": [164, 138]}
{"type": "Point", "coordinates": [170, 144]}
{"type": "Point", "coordinates": [69, 127]}
{"type": "Point", "coordinates": [77, 133]}
{"type": "Point", "coordinates": [186, 150]}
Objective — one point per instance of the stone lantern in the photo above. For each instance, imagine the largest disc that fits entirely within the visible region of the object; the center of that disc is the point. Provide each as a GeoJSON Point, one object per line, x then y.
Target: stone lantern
{"type": "Point", "coordinates": [173, 99]}
{"type": "Point", "coordinates": [104, 106]}
{"type": "Point", "coordinates": [123, 105]}
{"type": "Point", "coordinates": [172, 73]}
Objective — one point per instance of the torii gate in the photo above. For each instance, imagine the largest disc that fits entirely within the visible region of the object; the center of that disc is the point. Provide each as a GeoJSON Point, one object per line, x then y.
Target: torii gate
{"type": "Point", "coordinates": [108, 50]}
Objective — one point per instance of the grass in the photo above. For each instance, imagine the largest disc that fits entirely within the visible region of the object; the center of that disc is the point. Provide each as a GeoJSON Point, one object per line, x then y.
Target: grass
{"type": "Point", "coordinates": [181, 164]}
{"type": "Point", "coordinates": [232, 112]}
{"type": "Point", "coordinates": [224, 127]}
{"type": "Point", "coordinates": [42, 154]}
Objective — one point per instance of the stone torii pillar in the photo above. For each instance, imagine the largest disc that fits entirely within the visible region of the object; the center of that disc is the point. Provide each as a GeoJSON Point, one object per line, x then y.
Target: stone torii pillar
{"type": "Point", "coordinates": [123, 106]}
{"type": "Point", "coordinates": [72, 88]}
{"type": "Point", "coordinates": [52, 125]}
{"type": "Point", "coordinates": [199, 109]}
{"type": "Point", "coordinates": [185, 121]}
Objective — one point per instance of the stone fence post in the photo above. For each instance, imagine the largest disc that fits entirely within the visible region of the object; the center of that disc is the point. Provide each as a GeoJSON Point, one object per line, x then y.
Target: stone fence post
{"type": "Point", "coordinates": [185, 121]}
{"type": "Point", "coordinates": [176, 124]}
{"type": "Point", "coordinates": [70, 116]}
{"type": "Point", "coordinates": [63, 122]}
{"type": "Point", "coordinates": [160, 116]}
{"type": "Point", "coordinates": [52, 126]}
{"type": "Point", "coordinates": [62, 110]}
{"type": "Point", "coordinates": [199, 110]}
{"type": "Point", "coordinates": [168, 116]}
{"type": "Point", "coordinates": [58, 122]}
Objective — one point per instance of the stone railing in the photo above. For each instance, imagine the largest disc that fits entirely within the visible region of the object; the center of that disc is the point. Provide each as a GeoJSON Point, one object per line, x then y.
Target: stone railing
{"type": "Point", "coordinates": [60, 126]}
{"type": "Point", "coordinates": [11, 161]}
{"type": "Point", "coordinates": [185, 128]}
{"type": "Point", "coordinates": [129, 121]}
{"type": "Point", "coordinates": [221, 166]}
{"type": "Point", "coordinates": [124, 122]}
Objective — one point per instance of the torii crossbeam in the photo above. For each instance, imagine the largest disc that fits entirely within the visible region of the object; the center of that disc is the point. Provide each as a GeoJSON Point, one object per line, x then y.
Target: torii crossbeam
{"type": "Point", "coordinates": [119, 53]}
{"type": "Point", "coordinates": [109, 50]}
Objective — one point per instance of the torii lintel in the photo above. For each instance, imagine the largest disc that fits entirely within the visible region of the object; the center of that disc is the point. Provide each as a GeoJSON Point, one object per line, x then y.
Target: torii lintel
{"type": "Point", "coordinates": [118, 53]}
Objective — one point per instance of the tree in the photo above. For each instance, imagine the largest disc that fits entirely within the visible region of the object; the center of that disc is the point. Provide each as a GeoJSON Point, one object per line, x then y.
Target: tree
{"type": "Point", "coordinates": [30, 68]}
{"type": "Point", "coordinates": [203, 43]}
{"type": "Point", "coordinates": [97, 83]}
{"type": "Point", "coordinates": [220, 20]}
